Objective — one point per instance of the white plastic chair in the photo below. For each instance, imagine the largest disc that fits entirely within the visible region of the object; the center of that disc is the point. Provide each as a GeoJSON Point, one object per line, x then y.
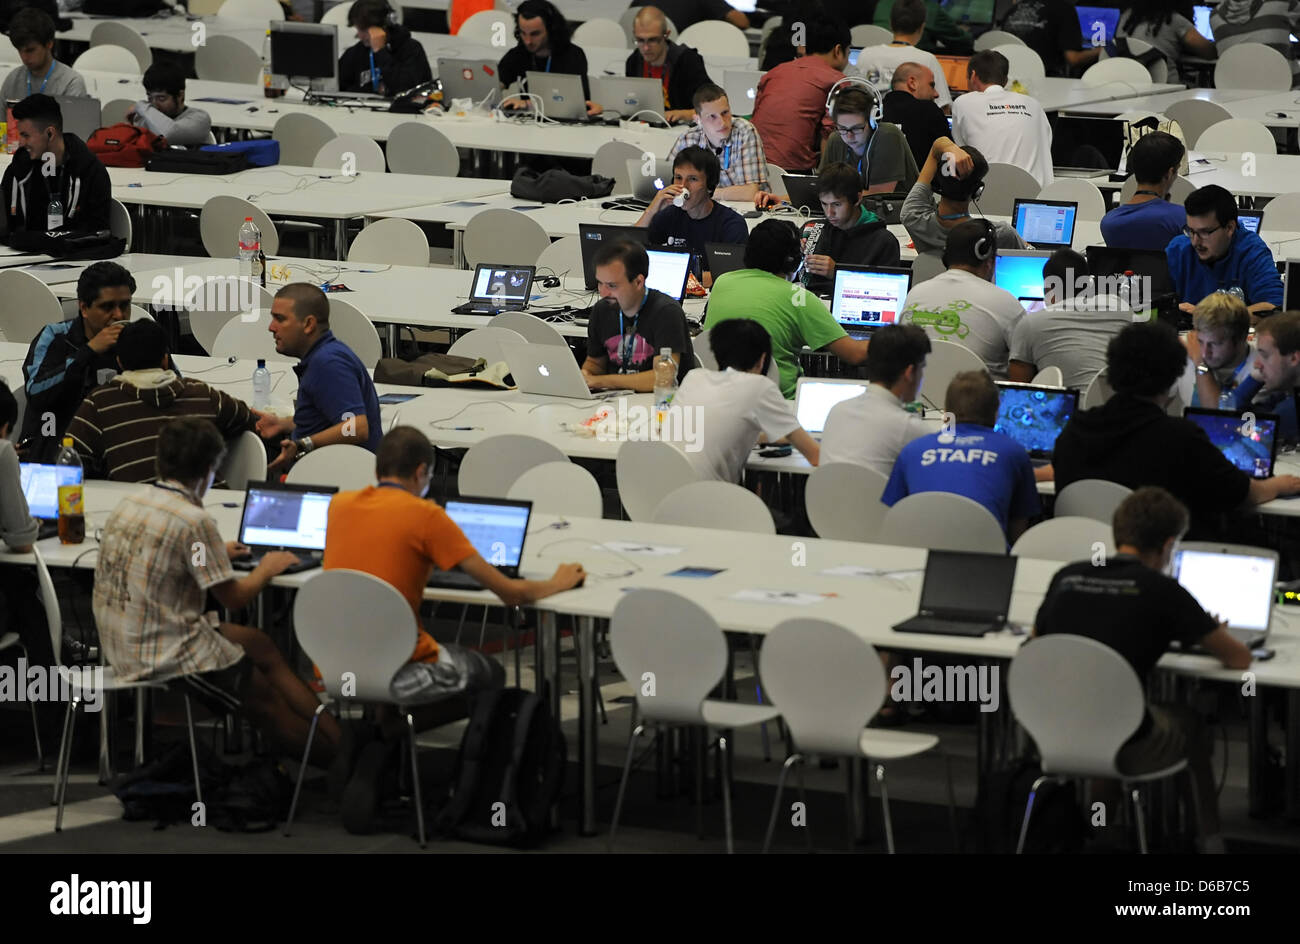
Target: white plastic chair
{"type": "Point", "coordinates": [342, 464]}
{"type": "Point", "coordinates": [502, 235]}
{"type": "Point", "coordinates": [114, 33]}
{"type": "Point", "coordinates": [869, 34]}
{"type": "Point", "coordinates": [493, 465]}
{"type": "Point", "coordinates": [1053, 685]}
{"type": "Point", "coordinates": [114, 112]}
{"type": "Point", "coordinates": [680, 645]}
{"type": "Point", "coordinates": [945, 361]}
{"type": "Point", "coordinates": [248, 340]}
{"type": "Point", "coordinates": [646, 471]}
{"type": "Point", "coordinates": [244, 462]}
{"type": "Point", "coordinates": [227, 59]}
{"type": "Point", "coordinates": [219, 223]}
{"type": "Point", "coordinates": [355, 330]}
{"type": "Point", "coordinates": [599, 32]}
{"type": "Point", "coordinates": [703, 348]}
{"type": "Point", "coordinates": [108, 59]}
{"type": "Point", "coordinates": [1179, 190]}
{"type": "Point", "coordinates": [119, 221]}
{"type": "Point", "coordinates": [417, 148]}
{"type": "Point", "coordinates": [843, 501]}
{"type": "Point", "coordinates": [337, 15]}
{"type": "Point", "coordinates": [1117, 69]}
{"type": "Point", "coordinates": [482, 27]}
{"type": "Point", "coordinates": [1064, 538]}
{"type": "Point", "coordinates": [531, 328]}
{"type": "Point", "coordinates": [301, 137]}
{"type": "Point", "coordinates": [717, 37]}
{"type": "Point", "coordinates": [1237, 135]}
{"type": "Point", "coordinates": [1090, 498]}
{"type": "Point", "coordinates": [559, 488]}
{"type": "Point", "coordinates": [485, 343]}
{"type": "Point", "coordinates": [206, 323]}
{"type": "Point", "coordinates": [1194, 115]}
{"type": "Point", "coordinates": [775, 182]}
{"type": "Point", "coordinates": [1002, 184]}
{"type": "Point", "coordinates": [1281, 212]}
{"type": "Point", "coordinates": [828, 682]}
{"type": "Point", "coordinates": [1023, 65]}
{"type": "Point", "coordinates": [1158, 70]}
{"type": "Point", "coordinates": [926, 266]}
{"type": "Point", "coordinates": [1049, 377]}
{"type": "Point", "coordinates": [1092, 205]}
{"type": "Point", "coordinates": [992, 39]}
{"type": "Point", "coordinates": [351, 151]}
{"type": "Point", "coordinates": [259, 11]}
{"type": "Point", "coordinates": [562, 257]}
{"type": "Point", "coordinates": [1252, 66]}
{"type": "Point", "coordinates": [716, 505]}
{"type": "Point", "coordinates": [1098, 392]}
{"type": "Point", "coordinates": [393, 241]}
{"type": "Point", "coordinates": [611, 160]}
{"type": "Point", "coordinates": [942, 521]}
{"type": "Point", "coordinates": [29, 306]}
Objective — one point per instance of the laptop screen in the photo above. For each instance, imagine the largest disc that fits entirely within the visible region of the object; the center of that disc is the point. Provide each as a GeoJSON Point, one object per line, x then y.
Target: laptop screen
{"type": "Point", "coordinates": [286, 517]}
{"type": "Point", "coordinates": [1045, 222]}
{"type": "Point", "coordinates": [813, 399]}
{"type": "Point", "coordinates": [502, 285]}
{"type": "Point", "coordinates": [1097, 24]}
{"type": "Point", "coordinates": [668, 270]}
{"type": "Point", "coordinates": [495, 527]}
{"type": "Point", "coordinates": [1251, 447]}
{"type": "Point", "coordinates": [592, 235]}
{"type": "Point", "coordinates": [1034, 416]}
{"type": "Point", "coordinates": [724, 258]}
{"type": "Point", "coordinates": [1250, 219]}
{"type": "Point", "coordinates": [41, 486]}
{"type": "Point", "coordinates": [1237, 587]}
{"type": "Point", "coordinates": [869, 297]}
{"type": "Point", "coordinates": [974, 584]}
{"type": "Point", "coordinates": [1201, 19]}
{"type": "Point", "coordinates": [1088, 142]}
{"type": "Point", "coordinates": [1020, 272]}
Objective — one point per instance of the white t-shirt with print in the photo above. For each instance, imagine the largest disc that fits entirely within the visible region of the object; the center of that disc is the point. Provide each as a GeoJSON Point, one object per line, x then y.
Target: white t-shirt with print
{"type": "Point", "coordinates": [1007, 127]}
{"type": "Point", "coordinates": [722, 414]}
{"type": "Point", "coordinates": [960, 306]}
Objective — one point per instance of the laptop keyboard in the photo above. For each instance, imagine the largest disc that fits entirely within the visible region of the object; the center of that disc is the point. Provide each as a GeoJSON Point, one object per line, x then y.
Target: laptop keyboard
{"type": "Point", "coordinates": [945, 627]}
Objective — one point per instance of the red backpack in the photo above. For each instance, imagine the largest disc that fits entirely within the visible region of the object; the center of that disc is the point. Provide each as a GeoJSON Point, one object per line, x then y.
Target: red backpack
{"type": "Point", "coordinates": [124, 145]}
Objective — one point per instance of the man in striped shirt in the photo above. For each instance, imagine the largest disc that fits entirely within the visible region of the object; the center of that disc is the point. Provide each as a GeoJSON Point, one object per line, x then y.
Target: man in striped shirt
{"type": "Point", "coordinates": [1270, 22]}
{"type": "Point", "coordinates": [116, 428]}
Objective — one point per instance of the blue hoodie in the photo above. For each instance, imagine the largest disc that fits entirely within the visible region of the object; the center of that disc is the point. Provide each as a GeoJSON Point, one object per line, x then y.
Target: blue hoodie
{"type": "Point", "coordinates": [1247, 270]}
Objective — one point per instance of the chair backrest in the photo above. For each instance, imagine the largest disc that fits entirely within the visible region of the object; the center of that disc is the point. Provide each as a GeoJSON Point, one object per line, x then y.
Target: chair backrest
{"type": "Point", "coordinates": [417, 148]}
{"type": "Point", "coordinates": [301, 137]}
{"type": "Point", "coordinates": [485, 343]}
{"type": "Point", "coordinates": [49, 603]}
{"type": "Point", "coordinates": [1065, 538]}
{"type": "Point", "coordinates": [119, 221]}
{"type": "Point", "coordinates": [1280, 213]}
{"type": "Point", "coordinates": [1002, 184]}
{"type": "Point", "coordinates": [1252, 66]}
{"type": "Point", "coordinates": [704, 351]}
{"type": "Point", "coordinates": [942, 521]}
{"type": "Point", "coordinates": [1237, 135]}
{"type": "Point", "coordinates": [355, 330]}
{"type": "Point", "coordinates": [843, 501]}
{"type": "Point", "coordinates": [1092, 205]}
{"type": "Point", "coordinates": [113, 33]}
{"type": "Point", "coordinates": [493, 465]}
{"type": "Point", "coordinates": [669, 646]}
{"type": "Point", "coordinates": [1024, 65]}
{"type": "Point", "coordinates": [19, 390]}
{"type": "Point", "coordinates": [1049, 377]}
{"type": "Point", "coordinates": [219, 223]}
{"type": "Point", "coordinates": [531, 328]}
{"type": "Point", "coordinates": [1053, 686]}
{"type": "Point", "coordinates": [248, 339]}
{"type": "Point", "coordinates": [394, 241]}
{"type": "Point", "coordinates": [347, 466]}
{"type": "Point", "coordinates": [717, 505]}
{"type": "Point", "coordinates": [1194, 115]}
{"type": "Point", "coordinates": [926, 266]}
{"type": "Point", "coordinates": [559, 488]}
{"type": "Point", "coordinates": [717, 37]}
{"type": "Point", "coordinates": [1090, 498]}
{"type": "Point", "coordinates": [562, 257]}
{"type": "Point", "coordinates": [775, 182]}
{"type": "Point", "coordinates": [108, 59]}
{"type": "Point", "coordinates": [992, 39]}
{"type": "Point", "coordinates": [1178, 190]}
{"type": "Point", "coordinates": [29, 306]}
{"type": "Point", "coordinates": [1117, 69]}
{"type": "Point", "coordinates": [245, 461]}
{"type": "Point", "coordinates": [140, 314]}
{"type": "Point", "coordinates": [337, 14]}
{"type": "Point", "coordinates": [945, 361]}
{"type": "Point", "coordinates": [227, 59]}
{"type": "Point", "coordinates": [258, 11]}
{"type": "Point", "coordinates": [826, 680]}
{"type": "Point", "coordinates": [481, 27]}
{"type": "Point", "coordinates": [504, 236]}
{"type": "Point", "coordinates": [351, 153]}
{"type": "Point", "coordinates": [1158, 69]}
{"type": "Point", "coordinates": [114, 112]}
{"type": "Point", "coordinates": [356, 628]}
{"type": "Point", "coordinates": [869, 34]}
{"type": "Point", "coordinates": [646, 471]}
{"type": "Point", "coordinates": [1098, 392]}
{"type": "Point", "coordinates": [610, 160]}
{"type": "Point", "coordinates": [209, 315]}
{"type": "Point", "coordinates": [599, 32]}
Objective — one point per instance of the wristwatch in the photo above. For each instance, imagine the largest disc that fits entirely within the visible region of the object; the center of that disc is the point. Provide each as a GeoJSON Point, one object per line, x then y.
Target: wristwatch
{"type": "Point", "coordinates": [1202, 370]}
{"type": "Point", "coordinates": [304, 445]}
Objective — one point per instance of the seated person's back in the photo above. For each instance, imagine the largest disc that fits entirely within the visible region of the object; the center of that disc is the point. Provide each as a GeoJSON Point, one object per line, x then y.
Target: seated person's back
{"type": "Point", "coordinates": [1148, 220]}
{"type": "Point", "coordinates": [1008, 127]}
{"type": "Point", "coordinates": [386, 59]}
{"type": "Point", "coordinates": [956, 176]}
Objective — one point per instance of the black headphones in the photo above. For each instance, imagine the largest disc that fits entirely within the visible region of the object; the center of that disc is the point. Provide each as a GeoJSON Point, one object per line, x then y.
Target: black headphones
{"type": "Point", "coordinates": [987, 245]}
{"type": "Point", "coordinates": [550, 281]}
{"type": "Point", "coordinates": [557, 27]}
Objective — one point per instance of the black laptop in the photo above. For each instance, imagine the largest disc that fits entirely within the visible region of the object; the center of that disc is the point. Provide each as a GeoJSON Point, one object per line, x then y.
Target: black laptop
{"type": "Point", "coordinates": [279, 516]}
{"type": "Point", "coordinates": [1087, 147]}
{"type": "Point", "coordinates": [496, 527]}
{"type": "Point", "coordinates": [963, 594]}
{"type": "Point", "coordinates": [498, 288]}
{"type": "Point", "coordinates": [724, 257]}
{"type": "Point", "coordinates": [1151, 265]}
{"type": "Point", "coordinates": [591, 236]}
{"type": "Point", "coordinates": [801, 190]}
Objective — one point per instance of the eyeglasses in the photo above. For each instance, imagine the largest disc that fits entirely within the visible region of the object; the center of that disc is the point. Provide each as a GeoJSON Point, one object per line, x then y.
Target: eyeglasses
{"type": "Point", "coordinates": [650, 40]}
{"type": "Point", "coordinates": [160, 96]}
{"type": "Point", "coordinates": [1201, 233]}
{"type": "Point", "coordinates": [851, 132]}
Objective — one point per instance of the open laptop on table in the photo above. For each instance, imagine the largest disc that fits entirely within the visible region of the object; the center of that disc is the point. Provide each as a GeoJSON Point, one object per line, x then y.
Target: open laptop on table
{"type": "Point", "coordinates": [1233, 582]}
{"type": "Point", "coordinates": [559, 96]}
{"type": "Point", "coordinates": [963, 594]}
{"type": "Point", "coordinates": [547, 370]}
{"type": "Point", "coordinates": [283, 517]}
{"type": "Point", "coordinates": [1045, 223]}
{"type": "Point", "coordinates": [591, 236]}
{"type": "Point", "coordinates": [629, 97]}
{"type": "Point", "coordinates": [801, 190]}
{"type": "Point", "coordinates": [645, 187]}
{"type": "Point", "coordinates": [496, 527]}
{"type": "Point", "coordinates": [1152, 266]}
{"type": "Point", "coordinates": [668, 271]}
{"type": "Point", "coordinates": [498, 288]}
{"type": "Point", "coordinates": [724, 257]}
{"type": "Point", "coordinates": [1251, 447]}
{"type": "Point", "coordinates": [41, 489]}
{"type": "Point", "coordinates": [1020, 272]}
{"type": "Point", "coordinates": [815, 396]}
{"type": "Point", "coordinates": [1034, 415]}
{"type": "Point", "coordinates": [1088, 147]}
{"type": "Point", "coordinates": [475, 79]}
{"type": "Point", "coordinates": [1250, 220]}
{"type": "Point", "coordinates": [864, 298]}
{"type": "Point", "coordinates": [741, 86]}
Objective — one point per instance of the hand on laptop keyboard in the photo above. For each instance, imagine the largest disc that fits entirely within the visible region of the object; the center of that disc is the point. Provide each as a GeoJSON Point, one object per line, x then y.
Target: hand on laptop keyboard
{"type": "Point", "coordinates": [277, 562]}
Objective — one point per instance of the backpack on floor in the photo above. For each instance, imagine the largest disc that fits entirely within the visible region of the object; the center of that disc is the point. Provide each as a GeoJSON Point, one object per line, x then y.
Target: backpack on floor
{"type": "Point", "coordinates": [163, 789]}
{"type": "Point", "coordinates": [509, 772]}
{"type": "Point", "coordinates": [254, 800]}
{"type": "Point", "coordinates": [125, 145]}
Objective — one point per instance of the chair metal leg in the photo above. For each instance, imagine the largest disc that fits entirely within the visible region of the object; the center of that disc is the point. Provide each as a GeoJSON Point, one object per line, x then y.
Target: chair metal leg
{"type": "Point", "coordinates": [724, 769]}
{"type": "Point", "coordinates": [460, 627]}
{"type": "Point", "coordinates": [58, 760]}
{"type": "Point", "coordinates": [758, 693]}
{"type": "Point", "coordinates": [622, 784]}
{"type": "Point", "coordinates": [194, 750]}
{"type": "Point", "coordinates": [482, 628]}
{"type": "Point", "coordinates": [1029, 809]}
{"type": "Point", "coordinates": [61, 783]}
{"type": "Point", "coordinates": [302, 768]}
{"type": "Point", "coordinates": [141, 694]}
{"type": "Point", "coordinates": [1139, 819]}
{"type": "Point", "coordinates": [776, 802]}
{"type": "Point", "coordinates": [36, 723]}
{"type": "Point", "coordinates": [884, 805]}
{"type": "Point", "coordinates": [105, 749]}
{"type": "Point", "coordinates": [415, 780]}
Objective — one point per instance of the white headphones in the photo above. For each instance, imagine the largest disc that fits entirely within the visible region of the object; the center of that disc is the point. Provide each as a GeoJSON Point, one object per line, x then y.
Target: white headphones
{"type": "Point", "coordinates": [873, 118]}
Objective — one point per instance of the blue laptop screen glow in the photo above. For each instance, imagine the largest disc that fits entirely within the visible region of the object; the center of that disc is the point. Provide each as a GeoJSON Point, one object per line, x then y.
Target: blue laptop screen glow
{"type": "Point", "coordinates": [1034, 416]}
{"type": "Point", "coordinates": [41, 486]}
{"type": "Point", "coordinates": [1248, 448]}
{"type": "Point", "coordinates": [1201, 19]}
{"type": "Point", "coordinates": [496, 531]}
{"type": "Point", "coordinates": [1250, 221]}
{"type": "Point", "coordinates": [1097, 24]}
{"type": "Point", "coordinates": [1022, 276]}
{"type": "Point", "coordinates": [1045, 224]}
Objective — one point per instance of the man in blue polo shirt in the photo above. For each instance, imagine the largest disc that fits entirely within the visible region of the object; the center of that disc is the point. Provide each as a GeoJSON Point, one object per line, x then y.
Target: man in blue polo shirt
{"type": "Point", "coordinates": [970, 459]}
{"type": "Point", "coordinates": [1148, 220]}
{"type": "Point", "coordinates": [1216, 255]}
{"type": "Point", "coordinates": [336, 402]}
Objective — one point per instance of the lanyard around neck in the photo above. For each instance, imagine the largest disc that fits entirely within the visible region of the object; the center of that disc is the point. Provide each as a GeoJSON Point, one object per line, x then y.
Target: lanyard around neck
{"type": "Point", "coordinates": [53, 63]}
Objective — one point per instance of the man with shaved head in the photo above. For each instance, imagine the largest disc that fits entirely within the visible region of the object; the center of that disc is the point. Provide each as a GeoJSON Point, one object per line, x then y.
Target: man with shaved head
{"type": "Point", "coordinates": [679, 68]}
{"type": "Point", "coordinates": [911, 105]}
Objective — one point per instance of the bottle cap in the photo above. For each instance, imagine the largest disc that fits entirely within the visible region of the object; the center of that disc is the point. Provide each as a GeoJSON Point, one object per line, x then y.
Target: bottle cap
{"type": "Point", "coordinates": [261, 362]}
{"type": "Point", "coordinates": [248, 219]}
{"type": "Point", "coordinates": [67, 441]}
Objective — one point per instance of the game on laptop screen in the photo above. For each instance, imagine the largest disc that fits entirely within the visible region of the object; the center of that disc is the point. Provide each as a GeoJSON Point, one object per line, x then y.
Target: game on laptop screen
{"type": "Point", "coordinates": [1021, 275]}
{"type": "Point", "coordinates": [1097, 24]}
{"type": "Point", "coordinates": [1248, 446]}
{"type": "Point", "coordinates": [501, 284]}
{"type": "Point", "coordinates": [1237, 588]}
{"type": "Point", "coordinates": [274, 518]}
{"type": "Point", "coordinates": [814, 399]}
{"type": "Point", "coordinates": [1034, 416]}
{"type": "Point", "coordinates": [1046, 222]}
{"type": "Point", "coordinates": [496, 531]}
{"type": "Point", "coordinates": [869, 297]}
{"type": "Point", "coordinates": [970, 11]}
{"type": "Point", "coordinates": [41, 486]}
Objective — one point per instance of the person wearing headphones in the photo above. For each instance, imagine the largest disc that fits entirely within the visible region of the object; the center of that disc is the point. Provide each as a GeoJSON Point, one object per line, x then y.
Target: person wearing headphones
{"type": "Point", "coordinates": [956, 175]}
{"type": "Point", "coordinates": [962, 304]}
{"type": "Point", "coordinates": [544, 45]}
{"type": "Point", "coordinates": [679, 68]}
{"type": "Point", "coordinates": [386, 59]}
{"type": "Point", "coordinates": [733, 141]}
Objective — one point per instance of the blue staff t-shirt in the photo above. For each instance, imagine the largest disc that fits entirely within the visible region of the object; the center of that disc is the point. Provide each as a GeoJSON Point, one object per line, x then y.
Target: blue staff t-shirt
{"type": "Point", "coordinates": [976, 462]}
{"type": "Point", "coordinates": [332, 381]}
{"type": "Point", "coordinates": [1149, 225]}
{"type": "Point", "coordinates": [673, 228]}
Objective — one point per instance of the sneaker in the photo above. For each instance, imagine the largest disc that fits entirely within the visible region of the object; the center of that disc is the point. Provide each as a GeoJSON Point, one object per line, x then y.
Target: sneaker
{"type": "Point", "coordinates": [361, 796]}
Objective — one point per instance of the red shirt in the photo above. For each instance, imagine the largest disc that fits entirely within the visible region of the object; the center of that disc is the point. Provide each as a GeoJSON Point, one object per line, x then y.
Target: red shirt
{"type": "Point", "coordinates": [656, 72]}
{"type": "Point", "coordinates": [790, 111]}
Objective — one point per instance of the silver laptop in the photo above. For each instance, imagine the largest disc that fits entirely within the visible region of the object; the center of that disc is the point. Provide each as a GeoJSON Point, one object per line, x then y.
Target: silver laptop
{"type": "Point", "coordinates": [81, 114]}
{"type": "Point", "coordinates": [646, 186]}
{"type": "Point", "coordinates": [741, 86]}
{"type": "Point", "coordinates": [815, 396]}
{"type": "Point", "coordinates": [469, 78]}
{"type": "Point", "coordinates": [1233, 582]}
{"type": "Point", "coordinates": [626, 97]}
{"type": "Point", "coordinates": [559, 95]}
{"type": "Point", "coordinates": [546, 370]}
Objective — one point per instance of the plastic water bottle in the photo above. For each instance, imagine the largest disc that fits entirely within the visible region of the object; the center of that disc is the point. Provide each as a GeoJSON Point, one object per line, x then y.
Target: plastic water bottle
{"type": "Point", "coordinates": [72, 509]}
{"type": "Point", "coordinates": [261, 386]}
{"type": "Point", "coordinates": [250, 245]}
{"type": "Point", "coordinates": [270, 86]}
{"type": "Point", "coordinates": [665, 382]}
{"type": "Point", "coordinates": [1126, 290]}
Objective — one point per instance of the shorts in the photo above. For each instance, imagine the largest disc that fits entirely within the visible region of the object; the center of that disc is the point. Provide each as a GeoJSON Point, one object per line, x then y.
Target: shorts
{"type": "Point", "coordinates": [458, 671]}
{"type": "Point", "coordinates": [221, 690]}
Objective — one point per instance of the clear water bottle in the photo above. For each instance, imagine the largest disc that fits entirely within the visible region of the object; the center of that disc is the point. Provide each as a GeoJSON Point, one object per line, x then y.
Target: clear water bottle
{"type": "Point", "coordinates": [1126, 290]}
{"type": "Point", "coordinates": [54, 213]}
{"type": "Point", "coordinates": [72, 509]}
{"type": "Point", "coordinates": [261, 386]}
{"type": "Point", "coordinates": [250, 245]}
{"type": "Point", "coordinates": [665, 382]}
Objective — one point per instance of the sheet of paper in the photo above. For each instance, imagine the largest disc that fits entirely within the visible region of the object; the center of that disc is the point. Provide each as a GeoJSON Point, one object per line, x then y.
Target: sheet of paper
{"type": "Point", "coordinates": [783, 597]}
{"type": "Point", "coordinates": [631, 547]}
{"type": "Point", "coordinates": [853, 570]}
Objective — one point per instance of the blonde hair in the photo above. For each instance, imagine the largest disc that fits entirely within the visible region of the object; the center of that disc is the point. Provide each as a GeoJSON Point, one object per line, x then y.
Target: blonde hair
{"type": "Point", "coordinates": [1222, 312]}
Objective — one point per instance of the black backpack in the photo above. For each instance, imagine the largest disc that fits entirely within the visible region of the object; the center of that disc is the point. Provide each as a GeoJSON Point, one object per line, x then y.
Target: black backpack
{"type": "Point", "coordinates": [552, 186]}
{"type": "Point", "coordinates": [509, 772]}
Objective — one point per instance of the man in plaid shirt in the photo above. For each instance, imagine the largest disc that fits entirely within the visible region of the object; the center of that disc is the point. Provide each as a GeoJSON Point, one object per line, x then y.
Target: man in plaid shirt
{"type": "Point", "coordinates": [733, 140]}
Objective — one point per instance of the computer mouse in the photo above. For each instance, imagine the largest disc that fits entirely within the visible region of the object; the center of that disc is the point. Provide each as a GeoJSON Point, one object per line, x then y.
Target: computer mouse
{"type": "Point", "coordinates": [752, 214]}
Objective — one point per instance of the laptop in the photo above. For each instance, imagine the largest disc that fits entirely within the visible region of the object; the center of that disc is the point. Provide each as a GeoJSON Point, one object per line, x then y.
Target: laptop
{"type": "Point", "coordinates": [802, 191]}
{"type": "Point", "coordinates": [475, 79]}
{"type": "Point", "coordinates": [1201, 20]}
{"type": "Point", "coordinates": [814, 397]}
{"type": "Point", "coordinates": [1251, 447]}
{"type": "Point", "coordinates": [630, 97]}
{"type": "Point", "coordinates": [81, 114]}
{"type": "Point", "coordinates": [668, 271]}
{"type": "Point", "coordinates": [283, 517]}
{"type": "Point", "coordinates": [40, 485]}
{"type": "Point", "coordinates": [741, 86]}
{"type": "Point", "coordinates": [592, 235]}
{"type": "Point", "coordinates": [1097, 24]}
{"type": "Point", "coordinates": [724, 257]}
{"type": "Point", "coordinates": [1034, 415]}
{"type": "Point", "coordinates": [963, 594]}
{"type": "Point", "coordinates": [1152, 266]}
{"type": "Point", "coordinates": [496, 527]}
{"type": "Point", "coordinates": [1250, 220]}
{"type": "Point", "coordinates": [546, 370]}
{"type": "Point", "coordinates": [1045, 223]}
{"type": "Point", "coordinates": [498, 288]}
{"type": "Point", "coordinates": [560, 96]}
{"type": "Point", "coordinates": [1233, 582]}
{"type": "Point", "coordinates": [864, 298]}
{"type": "Point", "coordinates": [1291, 284]}
{"type": "Point", "coordinates": [1088, 147]}
{"type": "Point", "coordinates": [887, 206]}
{"type": "Point", "coordinates": [646, 186]}
{"type": "Point", "coordinates": [1020, 272]}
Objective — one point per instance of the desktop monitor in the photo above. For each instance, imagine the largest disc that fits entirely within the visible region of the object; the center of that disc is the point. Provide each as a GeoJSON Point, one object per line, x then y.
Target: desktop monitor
{"type": "Point", "coordinates": [306, 53]}
{"type": "Point", "coordinates": [1020, 272]}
